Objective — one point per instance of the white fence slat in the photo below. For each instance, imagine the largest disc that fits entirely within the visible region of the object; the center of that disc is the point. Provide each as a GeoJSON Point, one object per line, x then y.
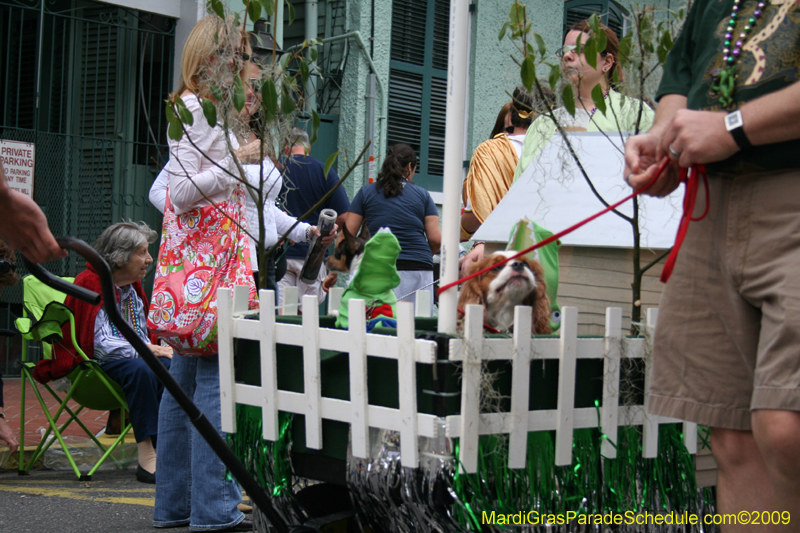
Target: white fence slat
{"type": "Point", "coordinates": [690, 437]}
{"type": "Point", "coordinates": [357, 345]}
{"type": "Point", "coordinates": [241, 298]}
{"type": "Point", "coordinates": [611, 369]}
{"type": "Point", "coordinates": [334, 300]}
{"type": "Point", "coordinates": [566, 385]}
{"type": "Point", "coordinates": [269, 365]}
{"type": "Point", "coordinates": [422, 306]}
{"type": "Point", "coordinates": [226, 376]}
{"type": "Point", "coordinates": [520, 387]}
{"type": "Point", "coordinates": [407, 374]}
{"type": "Point", "coordinates": [290, 300]}
{"type": "Point", "coordinates": [651, 421]}
{"type": "Point", "coordinates": [311, 372]}
{"type": "Point", "coordinates": [471, 388]}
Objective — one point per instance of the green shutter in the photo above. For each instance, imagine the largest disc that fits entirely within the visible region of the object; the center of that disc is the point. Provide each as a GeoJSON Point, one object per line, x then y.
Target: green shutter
{"type": "Point", "coordinates": [418, 84]}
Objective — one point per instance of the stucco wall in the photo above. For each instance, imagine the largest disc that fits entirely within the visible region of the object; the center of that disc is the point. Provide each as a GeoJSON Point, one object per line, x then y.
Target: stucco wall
{"type": "Point", "coordinates": [493, 74]}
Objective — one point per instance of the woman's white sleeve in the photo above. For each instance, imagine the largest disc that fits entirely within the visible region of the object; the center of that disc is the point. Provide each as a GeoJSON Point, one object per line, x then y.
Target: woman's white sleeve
{"type": "Point", "coordinates": [186, 157]}
{"type": "Point", "coordinates": [283, 222]}
{"type": "Point", "coordinates": [158, 192]}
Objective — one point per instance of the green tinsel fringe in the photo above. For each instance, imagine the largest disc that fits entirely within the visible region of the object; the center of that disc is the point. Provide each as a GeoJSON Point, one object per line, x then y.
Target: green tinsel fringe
{"type": "Point", "coordinates": [267, 461]}
{"type": "Point", "coordinates": [592, 484]}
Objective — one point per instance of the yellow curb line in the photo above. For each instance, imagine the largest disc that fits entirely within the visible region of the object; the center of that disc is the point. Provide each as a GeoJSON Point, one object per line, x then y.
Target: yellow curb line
{"type": "Point", "coordinates": [72, 494]}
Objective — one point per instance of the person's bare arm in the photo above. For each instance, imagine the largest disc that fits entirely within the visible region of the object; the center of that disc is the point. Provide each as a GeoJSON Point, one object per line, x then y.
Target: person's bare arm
{"type": "Point", "coordinates": [353, 222]}
{"type": "Point", "coordinates": [701, 136]}
{"type": "Point", "coordinates": [470, 222]}
{"type": "Point", "coordinates": [434, 232]}
{"type": "Point", "coordinates": [24, 226]}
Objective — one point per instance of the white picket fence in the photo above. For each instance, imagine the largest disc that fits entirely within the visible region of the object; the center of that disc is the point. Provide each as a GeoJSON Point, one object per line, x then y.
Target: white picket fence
{"type": "Point", "coordinates": [291, 302]}
{"type": "Point", "coordinates": [471, 350]}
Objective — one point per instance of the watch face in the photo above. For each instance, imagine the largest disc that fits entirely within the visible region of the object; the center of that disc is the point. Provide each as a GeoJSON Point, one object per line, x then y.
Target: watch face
{"type": "Point", "coordinates": [733, 120]}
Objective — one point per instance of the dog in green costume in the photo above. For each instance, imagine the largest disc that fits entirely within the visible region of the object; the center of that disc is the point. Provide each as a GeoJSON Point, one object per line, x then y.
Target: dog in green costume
{"type": "Point", "coordinates": [375, 279]}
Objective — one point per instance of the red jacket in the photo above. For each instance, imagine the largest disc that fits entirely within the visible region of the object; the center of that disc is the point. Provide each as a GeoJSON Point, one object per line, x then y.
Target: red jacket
{"type": "Point", "coordinates": [65, 358]}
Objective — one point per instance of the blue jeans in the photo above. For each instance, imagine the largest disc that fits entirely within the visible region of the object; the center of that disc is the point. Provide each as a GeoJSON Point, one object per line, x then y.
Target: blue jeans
{"type": "Point", "coordinates": [191, 483]}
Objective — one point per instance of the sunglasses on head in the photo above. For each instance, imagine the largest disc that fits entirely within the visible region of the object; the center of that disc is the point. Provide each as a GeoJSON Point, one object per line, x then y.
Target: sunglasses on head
{"type": "Point", "coordinates": [7, 266]}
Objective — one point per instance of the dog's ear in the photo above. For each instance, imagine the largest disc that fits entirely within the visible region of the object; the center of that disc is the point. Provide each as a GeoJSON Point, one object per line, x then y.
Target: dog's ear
{"type": "Point", "coordinates": [364, 234]}
{"type": "Point", "coordinates": [350, 241]}
{"type": "Point", "coordinates": [471, 293]}
{"type": "Point", "coordinates": [539, 301]}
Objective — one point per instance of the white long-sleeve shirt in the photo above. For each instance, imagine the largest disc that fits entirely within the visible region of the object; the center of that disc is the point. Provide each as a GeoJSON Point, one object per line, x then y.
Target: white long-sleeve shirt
{"type": "Point", "coordinates": [198, 162]}
{"type": "Point", "coordinates": [276, 222]}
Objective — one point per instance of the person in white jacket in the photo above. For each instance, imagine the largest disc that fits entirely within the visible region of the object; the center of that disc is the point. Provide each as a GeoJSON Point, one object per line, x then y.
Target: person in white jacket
{"type": "Point", "coordinates": [276, 222]}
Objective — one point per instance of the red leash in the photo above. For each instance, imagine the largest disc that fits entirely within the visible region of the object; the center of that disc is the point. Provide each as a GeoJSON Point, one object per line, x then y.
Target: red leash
{"type": "Point", "coordinates": [689, 200]}
{"type": "Point", "coordinates": [691, 177]}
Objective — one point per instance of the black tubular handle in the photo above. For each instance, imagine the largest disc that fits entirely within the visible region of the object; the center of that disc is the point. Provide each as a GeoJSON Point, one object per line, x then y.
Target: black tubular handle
{"type": "Point", "coordinates": [198, 419]}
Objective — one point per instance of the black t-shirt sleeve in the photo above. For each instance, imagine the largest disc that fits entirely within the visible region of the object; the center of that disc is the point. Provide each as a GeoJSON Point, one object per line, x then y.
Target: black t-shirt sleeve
{"type": "Point", "coordinates": [677, 75]}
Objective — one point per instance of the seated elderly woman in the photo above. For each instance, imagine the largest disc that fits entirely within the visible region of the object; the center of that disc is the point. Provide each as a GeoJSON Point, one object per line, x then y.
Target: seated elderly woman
{"type": "Point", "coordinates": [124, 247]}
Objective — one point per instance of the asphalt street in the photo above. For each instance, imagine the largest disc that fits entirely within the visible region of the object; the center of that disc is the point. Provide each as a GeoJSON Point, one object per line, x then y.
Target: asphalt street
{"type": "Point", "coordinates": [55, 501]}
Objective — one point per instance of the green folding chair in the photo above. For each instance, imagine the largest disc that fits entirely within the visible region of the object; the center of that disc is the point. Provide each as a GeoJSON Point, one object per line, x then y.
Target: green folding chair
{"type": "Point", "coordinates": [90, 387]}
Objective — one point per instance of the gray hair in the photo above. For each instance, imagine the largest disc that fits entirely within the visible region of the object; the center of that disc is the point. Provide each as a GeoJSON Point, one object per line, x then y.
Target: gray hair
{"type": "Point", "coordinates": [299, 137]}
{"type": "Point", "coordinates": [118, 242]}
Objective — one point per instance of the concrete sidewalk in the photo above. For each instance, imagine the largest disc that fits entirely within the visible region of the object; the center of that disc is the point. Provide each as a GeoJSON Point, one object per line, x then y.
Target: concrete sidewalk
{"type": "Point", "coordinates": [35, 418]}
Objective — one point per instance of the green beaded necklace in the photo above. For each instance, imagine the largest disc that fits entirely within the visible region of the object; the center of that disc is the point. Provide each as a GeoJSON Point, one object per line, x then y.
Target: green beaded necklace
{"type": "Point", "coordinates": [725, 80]}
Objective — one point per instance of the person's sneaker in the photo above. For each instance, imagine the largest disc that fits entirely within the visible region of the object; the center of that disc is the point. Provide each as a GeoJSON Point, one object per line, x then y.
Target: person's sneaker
{"type": "Point", "coordinates": [144, 476]}
{"type": "Point", "coordinates": [245, 508]}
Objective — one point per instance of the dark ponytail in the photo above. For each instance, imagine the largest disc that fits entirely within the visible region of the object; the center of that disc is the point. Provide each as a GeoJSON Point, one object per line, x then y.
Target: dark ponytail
{"type": "Point", "coordinates": [395, 169]}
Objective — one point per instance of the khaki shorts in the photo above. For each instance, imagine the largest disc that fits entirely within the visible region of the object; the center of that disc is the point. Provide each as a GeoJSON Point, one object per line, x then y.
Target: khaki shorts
{"type": "Point", "coordinates": [728, 335]}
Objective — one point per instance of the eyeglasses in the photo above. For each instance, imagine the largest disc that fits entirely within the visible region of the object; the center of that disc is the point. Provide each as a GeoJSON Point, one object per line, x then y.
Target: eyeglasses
{"type": "Point", "coordinates": [561, 52]}
{"type": "Point", "coordinates": [7, 266]}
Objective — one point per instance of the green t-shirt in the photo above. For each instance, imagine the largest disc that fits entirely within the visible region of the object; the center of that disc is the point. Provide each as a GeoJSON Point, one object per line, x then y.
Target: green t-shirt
{"type": "Point", "coordinates": [769, 61]}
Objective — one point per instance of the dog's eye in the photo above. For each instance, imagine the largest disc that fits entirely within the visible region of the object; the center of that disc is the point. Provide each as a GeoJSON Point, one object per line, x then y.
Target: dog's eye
{"type": "Point", "coordinates": [498, 267]}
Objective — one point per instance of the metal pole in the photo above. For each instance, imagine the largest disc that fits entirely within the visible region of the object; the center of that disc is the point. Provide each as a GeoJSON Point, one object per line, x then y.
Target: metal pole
{"type": "Point", "coordinates": [311, 34]}
{"type": "Point", "coordinates": [369, 169]}
{"type": "Point", "coordinates": [453, 158]}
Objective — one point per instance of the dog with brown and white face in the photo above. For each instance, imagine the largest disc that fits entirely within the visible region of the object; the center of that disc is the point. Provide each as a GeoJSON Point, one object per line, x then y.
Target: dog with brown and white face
{"type": "Point", "coordinates": [519, 281]}
{"type": "Point", "coordinates": [348, 253]}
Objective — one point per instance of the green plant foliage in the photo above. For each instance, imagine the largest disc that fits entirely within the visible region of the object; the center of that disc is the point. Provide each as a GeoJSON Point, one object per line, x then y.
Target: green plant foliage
{"type": "Point", "coordinates": [218, 8]}
{"type": "Point", "coordinates": [254, 10]}
{"type": "Point", "coordinates": [290, 12]}
{"type": "Point", "coordinates": [269, 7]}
{"type": "Point", "coordinates": [315, 122]}
{"type": "Point", "coordinates": [554, 76]}
{"type": "Point", "coordinates": [330, 161]}
{"type": "Point", "coordinates": [269, 100]}
{"type": "Point", "coordinates": [540, 45]}
{"type": "Point", "coordinates": [287, 102]}
{"type": "Point", "coordinates": [238, 93]}
{"type": "Point", "coordinates": [210, 112]}
{"type": "Point", "coordinates": [175, 129]}
{"type": "Point", "coordinates": [528, 72]}
{"type": "Point", "coordinates": [304, 71]}
{"type": "Point", "coordinates": [599, 98]}
{"type": "Point", "coordinates": [183, 112]}
{"type": "Point", "coordinates": [590, 52]}
{"type": "Point", "coordinates": [216, 92]}
{"type": "Point", "coordinates": [568, 97]}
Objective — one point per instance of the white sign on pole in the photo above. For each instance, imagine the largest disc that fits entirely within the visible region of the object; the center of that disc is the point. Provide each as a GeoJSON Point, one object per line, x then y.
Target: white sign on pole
{"type": "Point", "coordinates": [553, 192]}
{"type": "Point", "coordinates": [17, 158]}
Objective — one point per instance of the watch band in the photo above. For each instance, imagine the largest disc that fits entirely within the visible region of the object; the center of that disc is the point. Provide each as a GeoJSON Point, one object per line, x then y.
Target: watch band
{"type": "Point", "coordinates": [734, 123]}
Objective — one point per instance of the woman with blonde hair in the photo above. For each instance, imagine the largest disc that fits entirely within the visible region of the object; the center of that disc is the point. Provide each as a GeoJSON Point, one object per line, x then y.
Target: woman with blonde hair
{"type": "Point", "coordinates": [192, 488]}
